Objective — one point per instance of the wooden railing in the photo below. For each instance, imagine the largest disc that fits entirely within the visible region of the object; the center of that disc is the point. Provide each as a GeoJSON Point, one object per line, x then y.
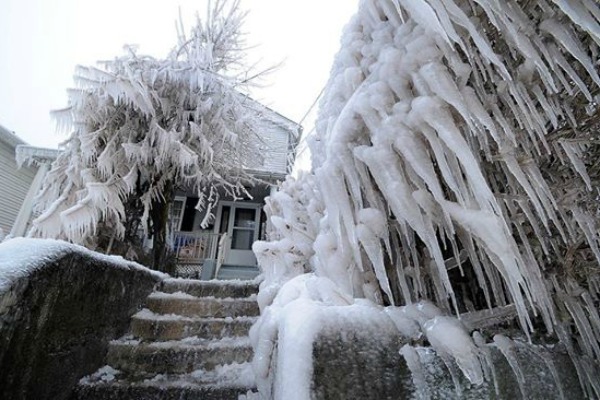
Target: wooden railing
{"type": "Point", "coordinates": [195, 247]}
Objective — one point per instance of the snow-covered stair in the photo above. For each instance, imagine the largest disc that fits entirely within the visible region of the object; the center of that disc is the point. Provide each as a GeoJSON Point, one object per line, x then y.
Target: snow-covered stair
{"type": "Point", "coordinates": [190, 342]}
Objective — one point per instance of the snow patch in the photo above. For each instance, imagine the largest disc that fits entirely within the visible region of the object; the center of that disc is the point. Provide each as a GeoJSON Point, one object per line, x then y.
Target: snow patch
{"type": "Point", "coordinates": [19, 257]}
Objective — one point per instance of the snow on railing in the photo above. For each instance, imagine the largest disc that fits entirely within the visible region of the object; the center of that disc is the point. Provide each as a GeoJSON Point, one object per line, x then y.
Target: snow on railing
{"type": "Point", "coordinates": [195, 247]}
{"type": "Point", "coordinates": [31, 155]}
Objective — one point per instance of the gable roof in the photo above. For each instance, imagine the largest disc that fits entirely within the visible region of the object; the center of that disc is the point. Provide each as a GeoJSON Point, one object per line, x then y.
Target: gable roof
{"type": "Point", "coordinates": [273, 116]}
{"type": "Point", "coordinates": [10, 138]}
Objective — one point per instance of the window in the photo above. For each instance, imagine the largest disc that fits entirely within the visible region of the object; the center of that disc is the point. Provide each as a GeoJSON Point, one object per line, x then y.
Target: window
{"type": "Point", "coordinates": [177, 213]}
{"type": "Point", "coordinates": [244, 224]}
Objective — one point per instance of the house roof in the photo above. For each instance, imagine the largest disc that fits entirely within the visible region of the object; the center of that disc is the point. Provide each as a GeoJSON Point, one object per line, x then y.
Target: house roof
{"type": "Point", "coordinates": [9, 137]}
{"type": "Point", "coordinates": [276, 118]}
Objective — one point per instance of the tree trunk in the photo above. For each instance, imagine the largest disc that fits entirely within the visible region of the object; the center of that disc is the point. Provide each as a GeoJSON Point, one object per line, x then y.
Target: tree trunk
{"type": "Point", "coordinates": [160, 218]}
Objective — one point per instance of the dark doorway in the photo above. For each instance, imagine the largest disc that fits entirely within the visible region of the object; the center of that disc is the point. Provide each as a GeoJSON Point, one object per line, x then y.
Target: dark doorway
{"type": "Point", "coordinates": [189, 214]}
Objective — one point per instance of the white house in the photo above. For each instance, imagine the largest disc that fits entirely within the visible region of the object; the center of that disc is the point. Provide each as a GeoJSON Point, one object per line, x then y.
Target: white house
{"type": "Point", "coordinates": [15, 184]}
{"type": "Point", "coordinates": [224, 249]}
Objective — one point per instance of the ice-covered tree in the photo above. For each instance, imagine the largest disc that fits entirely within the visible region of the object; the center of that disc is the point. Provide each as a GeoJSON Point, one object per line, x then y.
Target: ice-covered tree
{"type": "Point", "coordinates": [457, 158]}
{"type": "Point", "coordinates": [142, 127]}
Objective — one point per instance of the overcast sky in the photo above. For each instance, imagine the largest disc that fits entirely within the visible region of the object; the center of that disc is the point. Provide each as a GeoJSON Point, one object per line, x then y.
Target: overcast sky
{"type": "Point", "coordinates": [41, 41]}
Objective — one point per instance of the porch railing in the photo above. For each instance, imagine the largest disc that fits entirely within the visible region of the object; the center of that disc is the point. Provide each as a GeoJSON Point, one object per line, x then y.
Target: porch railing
{"type": "Point", "coordinates": [195, 247]}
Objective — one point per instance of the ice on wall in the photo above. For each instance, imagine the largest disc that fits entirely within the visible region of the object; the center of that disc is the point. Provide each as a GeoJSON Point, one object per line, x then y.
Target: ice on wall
{"type": "Point", "coordinates": [19, 257]}
{"type": "Point", "coordinates": [462, 136]}
{"type": "Point", "coordinates": [308, 305]}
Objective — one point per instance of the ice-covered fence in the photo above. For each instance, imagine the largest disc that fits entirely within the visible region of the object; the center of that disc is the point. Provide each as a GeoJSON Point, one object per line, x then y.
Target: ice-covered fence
{"type": "Point", "coordinates": [195, 247]}
{"type": "Point", "coordinates": [60, 304]}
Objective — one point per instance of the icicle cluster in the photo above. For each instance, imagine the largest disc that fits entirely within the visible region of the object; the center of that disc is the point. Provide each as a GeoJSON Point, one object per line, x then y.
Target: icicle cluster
{"type": "Point", "coordinates": [142, 126]}
{"type": "Point", "coordinates": [460, 138]}
{"type": "Point", "coordinates": [293, 215]}
{"type": "Point", "coordinates": [450, 129]}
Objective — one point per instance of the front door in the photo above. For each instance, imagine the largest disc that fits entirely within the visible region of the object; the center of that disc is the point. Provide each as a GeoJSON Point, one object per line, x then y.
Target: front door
{"type": "Point", "coordinates": [241, 222]}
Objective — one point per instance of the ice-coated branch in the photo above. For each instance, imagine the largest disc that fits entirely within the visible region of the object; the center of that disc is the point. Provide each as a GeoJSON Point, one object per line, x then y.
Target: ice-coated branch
{"type": "Point", "coordinates": [469, 131]}
{"type": "Point", "coordinates": [142, 126]}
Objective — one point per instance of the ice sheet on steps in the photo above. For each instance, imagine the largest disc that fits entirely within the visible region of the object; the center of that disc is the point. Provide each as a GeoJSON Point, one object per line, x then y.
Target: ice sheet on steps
{"type": "Point", "coordinates": [179, 295]}
{"type": "Point", "coordinates": [191, 341]}
{"type": "Point", "coordinates": [227, 375]}
{"type": "Point", "coordinates": [103, 375]}
{"type": "Point", "coordinates": [149, 315]}
{"type": "Point", "coordinates": [216, 282]}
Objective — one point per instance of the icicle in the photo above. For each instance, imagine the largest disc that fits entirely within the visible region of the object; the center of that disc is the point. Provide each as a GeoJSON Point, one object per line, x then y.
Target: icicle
{"type": "Point", "coordinates": [570, 44]}
{"type": "Point", "coordinates": [565, 65]}
{"type": "Point", "coordinates": [425, 16]}
{"type": "Point", "coordinates": [506, 347]}
{"type": "Point", "coordinates": [432, 112]}
{"type": "Point", "coordinates": [589, 230]}
{"type": "Point", "coordinates": [413, 362]}
{"type": "Point", "coordinates": [547, 359]}
{"type": "Point", "coordinates": [575, 157]}
{"type": "Point", "coordinates": [370, 231]}
{"type": "Point", "coordinates": [449, 338]}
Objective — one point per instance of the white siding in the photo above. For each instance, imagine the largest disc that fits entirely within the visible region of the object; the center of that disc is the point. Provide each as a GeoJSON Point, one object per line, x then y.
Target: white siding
{"type": "Point", "coordinates": [14, 184]}
{"type": "Point", "coordinates": [278, 138]}
{"type": "Point", "coordinates": [276, 143]}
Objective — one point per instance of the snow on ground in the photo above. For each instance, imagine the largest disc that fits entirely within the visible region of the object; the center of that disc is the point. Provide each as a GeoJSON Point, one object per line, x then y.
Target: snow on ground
{"type": "Point", "coordinates": [19, 257]}
{"type": "Point", "coordinates": [173, 296]}
{"type": "Point", "coordinates": [147, 314]}
{"type": "Point", "coordinates": [217, 282]}
{"type": "Point", "coordinates": [228, 375]}
{"type": "Point", "coordinates": [104, 374]}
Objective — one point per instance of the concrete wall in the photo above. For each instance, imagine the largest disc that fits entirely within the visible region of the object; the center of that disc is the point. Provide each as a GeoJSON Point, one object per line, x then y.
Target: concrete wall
{"type": "Point", "coordinates": [360, 362]}
{"type": "Point", "coordinates": [55, 322]}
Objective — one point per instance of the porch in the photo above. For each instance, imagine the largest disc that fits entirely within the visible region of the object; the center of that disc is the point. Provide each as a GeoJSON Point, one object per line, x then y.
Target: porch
{"type": "Point", "coordinates": [201, 255]}
{"type": "Point", "coordinates": [223, 249]}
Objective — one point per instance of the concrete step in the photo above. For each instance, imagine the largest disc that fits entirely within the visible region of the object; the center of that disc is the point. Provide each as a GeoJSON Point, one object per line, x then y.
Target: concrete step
{"type": "Point", "coordinates": [229, 272]}
{"type": "Point", "coordinates": [127, 391]}
{"type": "Point", "coordinates": [177, 357]}
{"type": "Point", "coordinates": [214, 288]}
{"type": "Point", "coordinates": [150, 326]}
{"type": "Point", "coordinates": [190, 306]}
{"type": "Point", "coordinates": [116, 385]}
{"type": "Point", "coordinates": [237, 272]}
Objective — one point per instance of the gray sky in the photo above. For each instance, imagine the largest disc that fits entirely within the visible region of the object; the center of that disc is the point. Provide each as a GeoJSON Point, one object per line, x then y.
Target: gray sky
{"type": "Point", "coordinates": [41, 41]}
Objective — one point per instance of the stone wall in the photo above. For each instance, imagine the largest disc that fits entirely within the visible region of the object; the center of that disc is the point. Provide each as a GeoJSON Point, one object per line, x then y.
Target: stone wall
{"type": "Point", "coordinates": [57, 319]}
{"type": "Point", "coordinates": [357, 363]}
